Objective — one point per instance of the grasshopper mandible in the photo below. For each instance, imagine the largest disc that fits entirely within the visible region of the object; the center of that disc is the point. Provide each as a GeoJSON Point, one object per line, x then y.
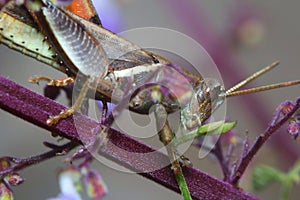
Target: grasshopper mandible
{"type": "Point", "coordinates": [74, 45]}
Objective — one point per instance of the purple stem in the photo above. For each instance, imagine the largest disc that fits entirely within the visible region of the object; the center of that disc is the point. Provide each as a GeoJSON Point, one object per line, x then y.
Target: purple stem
{"type": "Point", "coordinates": [218, 152]}
{"type": "Point", "coordinates": [35, 108]}
{"type": "Point", "coordinates": [21, 163]}
{"type": "Point", "coordinates": [261, 139]}
{"type": "Point", "coordinates": [198, 24]}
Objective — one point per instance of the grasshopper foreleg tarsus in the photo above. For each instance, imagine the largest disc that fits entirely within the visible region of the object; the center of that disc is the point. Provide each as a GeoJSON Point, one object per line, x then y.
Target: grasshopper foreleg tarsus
{"type": "Point", "coordinates": [52, 82]}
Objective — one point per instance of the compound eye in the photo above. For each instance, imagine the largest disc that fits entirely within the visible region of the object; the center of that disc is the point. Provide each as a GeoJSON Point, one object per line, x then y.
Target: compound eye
{"type": "Point", "coordinates": [136, 104]}
{"type": "Point", "coordinates": [212, 91]}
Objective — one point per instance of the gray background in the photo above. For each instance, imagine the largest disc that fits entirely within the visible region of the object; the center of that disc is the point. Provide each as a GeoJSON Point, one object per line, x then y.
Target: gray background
{"type": "Point", "coordinates": [18, 138]}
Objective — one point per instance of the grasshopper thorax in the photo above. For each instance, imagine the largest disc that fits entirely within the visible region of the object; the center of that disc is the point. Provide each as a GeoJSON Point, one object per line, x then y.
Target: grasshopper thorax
{"type": "Point", "coordinates": [208, 96]}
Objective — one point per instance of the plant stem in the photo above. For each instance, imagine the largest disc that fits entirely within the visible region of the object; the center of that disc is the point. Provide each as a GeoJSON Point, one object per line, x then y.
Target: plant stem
{"type": "Point", "coordinates": [35, 108]}
{"type": "Point", "coordinates": [20, 163]}
{"type": "Point", "coordinates": [183, 186]}
{"type": "Point", "coordinates": [285, 190]}
{"type": "Point", "coordinates": [259, 143]}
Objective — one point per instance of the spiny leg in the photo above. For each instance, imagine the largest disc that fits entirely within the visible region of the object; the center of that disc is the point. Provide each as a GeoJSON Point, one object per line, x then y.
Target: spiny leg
{"type": "Point", "coordinates": [52, 82]}
{"type": "Point", "coordinates": [166, 136]}
{"type": "Point", "coordinates": [59, 83]}
{"type": "Point", "coordinates": [66, 113]}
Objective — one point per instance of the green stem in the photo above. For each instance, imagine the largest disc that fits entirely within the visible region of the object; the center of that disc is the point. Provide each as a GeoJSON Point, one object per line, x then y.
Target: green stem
{"type": "Point", "coordinates": [285, 190]}
{"type": "Point", "coordinates": [214, 128]}
{"type": "Point", "coordinates": [183, 186]}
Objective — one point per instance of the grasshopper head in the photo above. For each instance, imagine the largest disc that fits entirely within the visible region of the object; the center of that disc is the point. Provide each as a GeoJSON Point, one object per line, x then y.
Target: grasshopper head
{"type": "Point", "coordinates": [151, 94]}
{"type": "Point", "coordinates": [208, 96]}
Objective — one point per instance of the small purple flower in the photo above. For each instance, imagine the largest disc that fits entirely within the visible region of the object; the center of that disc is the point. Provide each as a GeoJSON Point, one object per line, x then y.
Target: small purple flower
{"type": "Point", "coordinates": [294, 125]}
{"type": "Point", "coordinates": [5, 192]}
{"type": "Point", "coordinates": [13, 179]}
{"type": "Point", "coordinates": [71, 181]}
{"type": "Point", "coordinates": [95, 186]}
{"type": "Point", "coordinates": [4, 164]}
{"type": "Point", "coordinates": [69, 184]}
{"type": "Point", "coordinates": [286, 107]}
{"type": "Point", "coordinates": [294, 129]}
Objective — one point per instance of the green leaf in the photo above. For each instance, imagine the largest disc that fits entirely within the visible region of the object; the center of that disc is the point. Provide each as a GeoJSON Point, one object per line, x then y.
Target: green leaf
{"type": "Point", "coordinates": [294, 173]}
{"type": "Point", "coordinates": [223, 128]}
{"type": "Point", "coordinates": [214, 128]}
{"type": "Point", "coordinates": [264, 176]}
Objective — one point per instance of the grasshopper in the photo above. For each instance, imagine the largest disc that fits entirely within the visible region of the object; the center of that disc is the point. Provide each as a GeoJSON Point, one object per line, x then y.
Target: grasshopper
{"type": "Point", "coordinates": [107, 63]}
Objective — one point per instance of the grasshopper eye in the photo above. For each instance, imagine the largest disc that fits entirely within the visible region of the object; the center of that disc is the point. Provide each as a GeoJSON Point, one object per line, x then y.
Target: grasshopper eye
{"type": "Point", "coordinates": [211, 91]}
{"type": "Point", "coordinates": [208, 96]}
{"type": "Point", "coordinates": [136, 104]}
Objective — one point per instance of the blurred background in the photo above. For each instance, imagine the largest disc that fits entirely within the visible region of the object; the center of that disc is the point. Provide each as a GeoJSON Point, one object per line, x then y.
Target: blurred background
{"type": "Point", "coordinates": [241, 37]}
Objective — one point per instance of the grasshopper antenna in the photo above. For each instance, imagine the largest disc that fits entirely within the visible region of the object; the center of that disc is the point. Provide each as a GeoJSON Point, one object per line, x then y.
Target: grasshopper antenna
{"type": "Point", "coordinates": [252, 77]}
{"type": "Point", "coordinates": [233, 91]}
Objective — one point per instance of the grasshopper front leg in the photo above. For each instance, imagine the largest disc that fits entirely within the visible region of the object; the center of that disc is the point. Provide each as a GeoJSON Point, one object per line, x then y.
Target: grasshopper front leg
{"type": "Point", "coordinates": [166, 136]}
{"type": "Point", "coordinates": [52, 82]}
{"type": "Point", "coordinates": [59, 83]}
{"type": "Point", "coordinates": [52, 120]}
